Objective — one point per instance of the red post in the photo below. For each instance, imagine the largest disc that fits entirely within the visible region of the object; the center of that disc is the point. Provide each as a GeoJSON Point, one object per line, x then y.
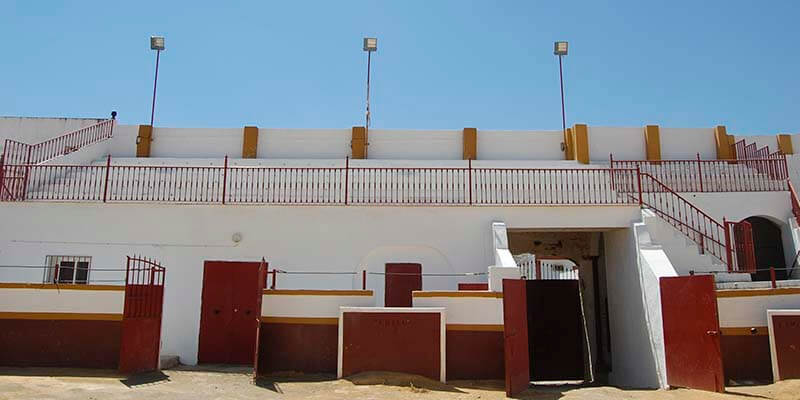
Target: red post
{"type": "Point", "coordinates": [470, 181]}
{"type": "Point", "coordinates": [772, 277]}
{"type": "Point", "coordinates": [538, 269]}
{"type": "Point", "coordinates": [728, 247]}
{"type": "Point", "coordinates": [700, 171]}
{"type": "Point", "coordinates": [105, 187]}
{"type": "Point", "coordinates": [225, 181]}
{"type": "Point", "coordinates": [266, 275]}
{"type": "Point", "coordinates": [363, 279]}
{"type": "Point", "coordinates": [639, 182]}
{"type": "Point", "coordinates": [346, 178]}
{"type": "Point", "coordinates": [274, 276]}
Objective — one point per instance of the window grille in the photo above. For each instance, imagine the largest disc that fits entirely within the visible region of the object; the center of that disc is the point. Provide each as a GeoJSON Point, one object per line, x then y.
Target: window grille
{"type": "Point", "coordinates": [68, 269]}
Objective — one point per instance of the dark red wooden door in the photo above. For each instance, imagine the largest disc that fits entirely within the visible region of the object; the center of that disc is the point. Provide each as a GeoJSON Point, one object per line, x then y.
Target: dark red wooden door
{"type": "Point", "coordinates": [262, 283]}
{"type": "Point", "coordinates": [228, 313]}
{"type": "Point", "coordinates": [515, 336]}
{"type": "Point", "coordinates": [691, 332]}
{"type": "Point", "coordinates": [401, 280]}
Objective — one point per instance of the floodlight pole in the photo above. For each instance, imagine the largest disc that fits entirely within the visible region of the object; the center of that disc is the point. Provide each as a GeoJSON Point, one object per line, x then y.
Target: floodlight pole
{"type": "Point", "coordinates": [155, 85]}
{"type": "Point", "coordinates": [369, 62]}
{"type": "Point", "coordinates": [563, 113]}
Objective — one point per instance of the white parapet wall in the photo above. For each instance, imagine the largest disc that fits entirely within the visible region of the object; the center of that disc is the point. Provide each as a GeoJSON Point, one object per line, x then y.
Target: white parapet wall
{"type": "Point", "coordinates": [50, 301]}
{"type": "Point", "coordinates": [307, 305]}
{"type": "Point", "coordinates": [747, 308]}
{"type": "Point", "coordinates": [466, 310]}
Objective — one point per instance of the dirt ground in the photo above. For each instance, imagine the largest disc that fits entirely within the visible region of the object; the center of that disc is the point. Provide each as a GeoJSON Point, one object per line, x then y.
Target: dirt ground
{"type": "Point", "coordinates": [223, 382]}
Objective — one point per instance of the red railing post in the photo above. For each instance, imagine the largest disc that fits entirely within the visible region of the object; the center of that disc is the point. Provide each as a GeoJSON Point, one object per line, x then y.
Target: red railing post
{"type": "Point", "coordinates": [728, 246]}
{"type": "Point", "coordinates": [346, 179]}
{"type": "Point", "coordinates": [639, 183]}
{"type": "Point", "coordinates": [469, 172]}
{"type": "Point", "coordinates": [772, 277]}
{"type": "Point", "coordinates": [105, 186]}
{"type": "Point", "coordinates": [363, 279]}
{"type": "Point", "coordinates": [274, 277]}
{"type": "Point", "coordinates": [700, 172]}
{"type": "Point", "coordinates": [225, 179]}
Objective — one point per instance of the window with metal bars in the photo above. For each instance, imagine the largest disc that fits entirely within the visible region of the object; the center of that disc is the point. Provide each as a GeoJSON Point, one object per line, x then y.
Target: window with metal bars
{"type": "Point", "coordinates": [68, 269]}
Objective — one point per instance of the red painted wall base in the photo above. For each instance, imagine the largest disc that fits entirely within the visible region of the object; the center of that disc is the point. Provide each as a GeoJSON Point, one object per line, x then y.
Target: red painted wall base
{"type": "Point", "coordinates": [59, 343]}
{"type": "Point", "coordinates": [307, 348]}
{"type": "Point", "coordinates": [474, 355]}
{"type": "Point", "coordinates": [746, 357]}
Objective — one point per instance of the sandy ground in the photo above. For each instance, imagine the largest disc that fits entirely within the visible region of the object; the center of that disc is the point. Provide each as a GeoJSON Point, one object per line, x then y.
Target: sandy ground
{"type": "Point", "coordinates": [217, 382]}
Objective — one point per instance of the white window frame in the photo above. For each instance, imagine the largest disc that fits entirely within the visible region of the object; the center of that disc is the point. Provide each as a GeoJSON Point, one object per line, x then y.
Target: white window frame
{"type": "Point", "coordinates": [54, 265]}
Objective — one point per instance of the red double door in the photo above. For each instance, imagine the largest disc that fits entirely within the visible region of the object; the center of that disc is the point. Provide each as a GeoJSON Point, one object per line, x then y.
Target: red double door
{"type": "Point", "coordinates": [229, 312]}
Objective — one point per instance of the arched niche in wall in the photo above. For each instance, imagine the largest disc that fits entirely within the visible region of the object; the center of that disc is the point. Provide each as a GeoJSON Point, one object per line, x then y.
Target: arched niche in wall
{"type": "Point", "coordinates": [768, 244]}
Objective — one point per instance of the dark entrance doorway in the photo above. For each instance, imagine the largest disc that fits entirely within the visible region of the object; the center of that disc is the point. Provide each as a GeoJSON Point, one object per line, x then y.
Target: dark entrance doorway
{"type": "Point", "coordinates": [229, 312]}
{"type": "Point", "coordinates": [768, 248]}
{"type": "Point", "coordinates": [401, 280]}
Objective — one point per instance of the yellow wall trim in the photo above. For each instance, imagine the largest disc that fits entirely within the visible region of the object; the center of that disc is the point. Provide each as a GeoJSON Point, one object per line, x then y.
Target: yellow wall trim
{"type": "Point", "coordinates": [470, 144]}
{"type": "Point", "coordinates": [475, 327]}
{"type": "Point", "coordinates": [250, 142]}
{"type": "Point", "coordinates": [756, 292]}
{"type": "Point", "coordinates": [143, 141]}
{"type": "Point", "coordinates": [300, 320]}
{"type": "Point", "coordinates": [358, 143]}
{"type": "Point", "coordinates": [581, 143]}
{"type": "Point", "coordinates": [61, 316]}
{"type": "Point", "coordinates": [307, 292]}
{"type": "Point", "coordinates": [745, 331]}
{"type": "Point", "coordinates": [785, 144]}
{"type": "Point", "coordinates": [723, 142]}
{"type": "Point", "coordinates": [652, 142]}
{"type": "Point", "coordinates": [60, 286]}
{"type": "Point", "coordinates": [459, 293]}
{"type": "Point", "coordinates": [569, 147]}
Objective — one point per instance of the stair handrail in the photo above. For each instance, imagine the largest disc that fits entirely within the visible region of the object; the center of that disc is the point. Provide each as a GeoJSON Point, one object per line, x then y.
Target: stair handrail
{"type": "Point", "coordinates": [17, 153]}
{"type": "Point", "coordinates": [795, 202]}
{"type": "Point", "coordinates": [712, 238]}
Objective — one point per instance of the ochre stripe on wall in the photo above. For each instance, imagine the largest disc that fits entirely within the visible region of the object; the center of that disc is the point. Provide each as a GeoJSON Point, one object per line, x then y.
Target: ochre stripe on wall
{"type": "Point", "coordinates": [61, 286]}
{"type": "Point", "coordinates": [581, 143]}
{"type": "Point", "coordinates": [756, 292]}
{"type": "Point", "coordinates": [61, 316]}
{"type": "Point", "coordinates": [785, 144]}
{"type": "Point", "coordinates": [300, 320]}
{"type": "Point", "coordinates": [358, 143]}
{"type": "Point", "coordinates": [470, 144]}
{"type": "Point", "coordinates": [745, 331]}
{"type": "Point", "coordinates": [143, 141]}
{"type": "Point", "coordinates": [460, 293]}
{"type": "Point", "coordinates": [723, 142]}
{"type": "Point", "coordinates": [475, 327]}
{"type": "Point", "coordinates": [307, 292]}
{"type": "Point", "coordinates": [569, 148]}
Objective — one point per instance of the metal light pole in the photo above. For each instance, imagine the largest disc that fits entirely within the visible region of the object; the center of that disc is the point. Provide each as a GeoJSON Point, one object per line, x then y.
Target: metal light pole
{"type": "Point", "coordinates": [560, 49]}
{"type": "Point", "coordinates": [370, 45]}
{"type": "Point", "coordinates": [157, 44]}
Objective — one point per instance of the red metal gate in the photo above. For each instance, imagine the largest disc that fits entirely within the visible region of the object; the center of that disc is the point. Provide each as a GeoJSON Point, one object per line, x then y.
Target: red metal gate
{"type": "Point", "coordinates": [262, 283]}
{"type": "Point", "coordinates": [691, 332]}
{"type": "Point", "coordinates": [743, 247]}
{"type": "Point", "coordinates": [515, 335]}
{"type": "Point", "coordinates": [141, 320]}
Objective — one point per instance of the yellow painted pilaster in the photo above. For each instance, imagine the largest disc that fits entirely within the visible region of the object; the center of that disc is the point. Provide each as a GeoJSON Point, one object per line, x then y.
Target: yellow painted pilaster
{"type": "Point", "coordinates": [569, 148]}
{"type": "Point", "coordinates": [470, 144]}
{"type": "Point", "coordinates": [785, 144]}
{"type": "Point", "coordinates": [250, 142]}
{"type": "Point", "coordinates": [143, 140]}
{"type": "Point", "coordinates": [358, 143]}
{"type": "Point", "coordinates": [581, 143]}
{"type": "Point", "coordinates": [724, 142]}
{"type": "Point", "coordinates": [652, 142]}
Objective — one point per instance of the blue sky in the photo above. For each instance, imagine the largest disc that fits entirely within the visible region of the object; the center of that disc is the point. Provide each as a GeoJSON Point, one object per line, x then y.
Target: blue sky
{"type": "Point", "coordinates": [440, 64]}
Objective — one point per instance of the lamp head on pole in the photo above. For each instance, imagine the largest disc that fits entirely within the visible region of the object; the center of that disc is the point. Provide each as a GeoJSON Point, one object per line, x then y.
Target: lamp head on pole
{"type": "Point", "coordinates": [157, 43]}
{"type": "Point", "coordinates": [560, 48]}
{"type": "Point", "coordinates": [370, 44]}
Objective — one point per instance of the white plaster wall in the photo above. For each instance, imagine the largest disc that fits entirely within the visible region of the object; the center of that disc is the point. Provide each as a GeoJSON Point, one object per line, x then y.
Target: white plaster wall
{"type": "Point", "coordinates": [123, 142]}
{"type": "Point", "coordinates": [35, 130]}
{"type": "Point", "coordinates": [310, 306]}
{"type": "Point", "coordinates": [301, 143]}
{"type": "Point", "coordinates": [686, 143]}
{"type": "Point", "coordinates": [415, 145]}
{"type": "Point", "coordinates": [62, 301]}
{"type": "Point", "coordinates": [196, 142]}
{"type": "Point", "coordinates": [625, 143]}
{"type": "Point", "coordinates": [751, 311]}
{"type": "Point", "coordinates": [519, 145]}
{"type": "Point", "coordinates": [633, 360]}
{"type": "Point", "coordinates": [466, 310]}
{"type": "Point", "coordinates": [442, 239]}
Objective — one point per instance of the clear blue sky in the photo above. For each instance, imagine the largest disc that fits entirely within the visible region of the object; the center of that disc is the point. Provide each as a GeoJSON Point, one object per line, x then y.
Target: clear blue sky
{"type": "Point", "coordinates": [440, 64]}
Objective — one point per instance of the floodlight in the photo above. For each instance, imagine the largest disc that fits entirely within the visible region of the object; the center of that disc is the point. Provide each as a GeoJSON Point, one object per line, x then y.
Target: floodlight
{"type": "Point", "coordinates": [370, 44]}
{"type": "Point", "coordinates": [560, 48]}
{"type": "Point", "coordinates": [157, 43]}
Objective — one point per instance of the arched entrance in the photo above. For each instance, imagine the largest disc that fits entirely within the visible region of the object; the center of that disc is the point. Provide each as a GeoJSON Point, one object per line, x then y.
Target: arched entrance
{"type": "Point", "coordinates": [768, 248]}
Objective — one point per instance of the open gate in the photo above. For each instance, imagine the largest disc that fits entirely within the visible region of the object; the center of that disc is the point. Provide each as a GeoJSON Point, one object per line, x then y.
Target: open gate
{"type": "Point", "coordinates": [141, 318]}
{"type": "Point", "coordinates": [262, 284]}
{"type": "Point", "coordinates": [743, 247]}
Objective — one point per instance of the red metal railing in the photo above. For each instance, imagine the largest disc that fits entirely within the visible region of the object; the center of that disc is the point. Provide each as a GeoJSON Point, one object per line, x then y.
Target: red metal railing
{"type": "Point", "coordinates": [752, 175]}
{"type": "Point", "coordinates": [15, 152]}
{"type": "Point", "coordinates": [324, 186]}
{"type": "Point", "coordinates": [712, 237]}
{"type": "Point", "coordinates": [795, 203]}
